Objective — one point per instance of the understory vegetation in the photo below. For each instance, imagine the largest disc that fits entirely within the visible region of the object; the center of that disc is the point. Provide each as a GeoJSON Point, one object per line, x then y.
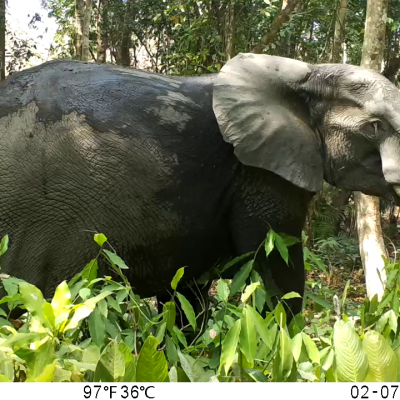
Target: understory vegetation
{"type": "Point", "coordinates": [95, 328]}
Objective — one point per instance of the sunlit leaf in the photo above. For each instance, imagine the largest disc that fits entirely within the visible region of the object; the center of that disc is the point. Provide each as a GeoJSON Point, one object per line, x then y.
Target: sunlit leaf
{"type": "Point", "coordinates": [229, 346]}
{"type": "Point", "coordinates": [111, 365]}
{"type": "Point", "coordinates": [240, 278]}
{"type": "Point", "coordinates": [115, 259]}
{"type": "Point", "coordinates": [248, 340]}
{"type": "Point", "coordinates": [100, 239]}
{"type": "Point", "coordinates": [188, 310]}
{"type": "Point", "coordinates": [177, 277]}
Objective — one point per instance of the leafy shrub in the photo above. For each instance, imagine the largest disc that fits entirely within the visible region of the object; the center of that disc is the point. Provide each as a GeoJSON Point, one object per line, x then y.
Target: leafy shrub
{"type": "Point", "coordinates": [97, 329]}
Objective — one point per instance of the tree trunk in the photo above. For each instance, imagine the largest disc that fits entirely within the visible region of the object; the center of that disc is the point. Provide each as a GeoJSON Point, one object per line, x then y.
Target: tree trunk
{"type": "Point", "coordinates": [2, 40]}
{"type": "Point", "coordinates": [372, 246]}
{"type": "Point", "coordinates": [230, 30]}
{"type": "Point", "coordinates": [124, 44]}
{"type": "Point", "coordinates": [282, 17]}
{"type": "Point", "coordinates": [338, 37]}
{"type": "Point", "coordinates": [83, 13]}
{"type": "Point", "coordinates": [102, 37]}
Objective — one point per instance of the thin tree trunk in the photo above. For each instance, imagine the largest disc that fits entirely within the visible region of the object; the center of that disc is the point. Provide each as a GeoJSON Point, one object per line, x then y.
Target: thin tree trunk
{"type": "Point", "coordinates": [272, 33]}
{"type": "Point", "coordinates": [2, 40]}
{"type": "Point", "coordinates": [102, 37]}
{"type": "Point", "coordinates": [83, 13]}
{"type": "Point", "coordinates": [372, 246]}
{"type": "Point", "coordinates": [230, 30]}
{"type": "Point", "coordinates": [338, 37]}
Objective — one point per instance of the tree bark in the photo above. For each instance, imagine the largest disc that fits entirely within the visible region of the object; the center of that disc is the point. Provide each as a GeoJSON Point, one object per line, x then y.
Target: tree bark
{"type": "Point", "coordinates": [102, 36]}
{"type": "Point", "coordinates": [2, 40]}
{"type": "Point", "coordinates": [338, 37]}
{"type": "Point", "coordinates": [282, 17]}
{"type": "Point", "coordinates": [230, 30]}
{"type": "Point", "coordinates": [83, 13]}
{"type": "Point", "coordinates": [372, 246]}
{"type": "Point", "coordinates": [124, 45]}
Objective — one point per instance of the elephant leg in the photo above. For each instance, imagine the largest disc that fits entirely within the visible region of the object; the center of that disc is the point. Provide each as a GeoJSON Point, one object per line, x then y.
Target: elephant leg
{"type": "Point", "coordinates": [263, 201]}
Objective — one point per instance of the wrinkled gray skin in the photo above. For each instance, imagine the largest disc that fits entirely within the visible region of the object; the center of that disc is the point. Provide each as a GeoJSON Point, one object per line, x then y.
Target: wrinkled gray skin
{"type": "Point", "coordinates": [141, 158]}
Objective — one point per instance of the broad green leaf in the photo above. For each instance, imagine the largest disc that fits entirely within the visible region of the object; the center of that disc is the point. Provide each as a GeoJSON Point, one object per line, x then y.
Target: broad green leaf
{"type": "Point", "coordinates": [4, 379]}
{"type": "Point", "coordinates": [320, 300]}
{"type": "Point", "coordinates": [172, 353]}
{"type": "Point", "coordinates": [4, 245]}
{"type": "Point", "coordinates": [280, 315]}
{"type": "Point", "coordinates": [81, 312]}
{"type": "Point", "coordinates": [236, 260]}
{"type": "Point", "coordinates": [193, 369]}
{"type": "Point", "coordinates": [188, 310]}
{"type": "Point", "coordinates": [130, 363]}
{"type": "Point", "coordinates": [97, 327]}
{"type": "Point", "coordinates": [229, 348]}
{"type": "Point", "coordinates": [170, 315]}
{"type": "Point", "coordinates": [267, 335]}
{"type": "Point", "coordinates": [84, 293]}
{"type": "Point", "coordinates": [111, 365]}
{"type": "Point", "coordinates": [240, 278]}
{"type": "Point", "coordinates": [328, 360]}
{"type": "Point", "coordinates": [161, 332]}
{"type": "Point", "coordinates": [223, 290]}
{"type": "Point", "coordinates": [118, 261]}
{"type": "Point", "coordinates": [311, 347]}
{"type": "Point", "coordinates": [152, 365]}
{"type": "Point", "coordinates": [33, 301]}
{"type": "Point", "coordinates": [177, 278]}
{"type": "Point", "coordinates": [47, 374]}
{"type": "Point", "coordinates": [285, 354]}
{"type": "Point", "coordinates": [61, 299]}
{"type": "Point", "coordinates": [61, 375]}
{"type": "Point", "coordinates": [351, 360]}
{"type": "Point", "coordinates": [23, 340]}
{"type": "Point", "coordinates": [282, 248]}
{"type": "Point", "coordinates": [297, 344]}
{"type": "Point", "coordinates": [173, 374]}
{"type": "Point", "coordinates": [38, 360]}
{"type": "Point", "coordinates": [306, 371]}
{"type": "Point", "coordinates": [256, 375]}
{"type": "Point", "coordinates": [289, 240]}
{"type": "Point", "coordinates": [6, 366]}
{"type": "Point", "coordinates": [91, 303]}
{"type": "Point", "coordinates": [249, 291]}
{"type": "Point", "coordinates": [381, 358]}
{"type": "Point", "coordinates": [248, 340]}
{"type": "Point", "coordinates": [91, 355]}
{"type": "Point", "coordinates": [90, 271]}
{"type": "Point", "coordinates": [100, 239]}
{"type": "Point", "coordinates": [180, 335]}
{"type": "Point", "coordinates": [260, 294]}
{"type": "Point", "coordinates": [269, 242]}
{"type": "Point", "coordinates": [290, 295]}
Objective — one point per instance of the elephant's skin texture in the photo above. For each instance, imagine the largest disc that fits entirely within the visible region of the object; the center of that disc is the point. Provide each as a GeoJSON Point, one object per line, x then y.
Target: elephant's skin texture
{"type": "Point", "coordinates": [183, 171]}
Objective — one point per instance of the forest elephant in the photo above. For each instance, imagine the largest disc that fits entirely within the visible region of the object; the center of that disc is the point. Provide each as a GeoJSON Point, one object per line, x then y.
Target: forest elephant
{"type": "Point", "coordinates": [184, 171]}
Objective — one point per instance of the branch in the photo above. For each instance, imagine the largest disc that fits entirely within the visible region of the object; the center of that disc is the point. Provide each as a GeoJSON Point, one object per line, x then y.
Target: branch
{"type": "Point", "coordinates": [282, 17]}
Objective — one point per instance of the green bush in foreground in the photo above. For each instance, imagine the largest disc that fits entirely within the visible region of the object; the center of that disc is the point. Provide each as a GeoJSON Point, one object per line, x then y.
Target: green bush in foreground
{"type": "Point", "coordinates": [96, 329]}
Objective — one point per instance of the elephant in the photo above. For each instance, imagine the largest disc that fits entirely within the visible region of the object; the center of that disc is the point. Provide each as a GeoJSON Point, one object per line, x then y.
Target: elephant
{"type": "Point", "coordinates": [184, 171]}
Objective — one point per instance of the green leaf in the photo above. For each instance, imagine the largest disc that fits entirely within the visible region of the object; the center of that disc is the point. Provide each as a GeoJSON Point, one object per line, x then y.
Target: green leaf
{"type": "Point", "coordinates": [267, 335]}
{"type": "Point", "coordinates": [306, 371]}
{"type": "Point", "coordinates": [45, 376]}
{"type": "Point", "coordinates": [223, 290]}
{"type": "Point", "coordinates": [100, 239]}
{"type": "Point", "coordinates": [236, 260]}
{"type": "Point", "coordinates": [33, 301]}
{"type": "Point", "coordinates": [351, 360]}
{"type": "Point", "coordinates": [229, 347]}
{"type": "Point", "coordinates": [297, 344]}
{"type": "Point", "coordinates": [170, 315]}
{"type": "Point", "coordinates": [90, 271]}
{"type": "Point", "coordinates": [23, 340]}
{"type": "Point", "coordinates": [118, 261]}
{"type": "Point", "coordinates": [188, 310]}
{"type": "Point", "coordinates": [282, 248]}
{"type": "Point", "coordinates": [192, 368]}
{"type": "Point", "coordinates": [248, 340]}
{"type": "Point", "coordinates": [346, 288]}
{"type": "Point", "coordinates": [38, 359]}
{"type": "Point", "coordinates": [280, 315]}
{"type": "Point", "coordinates": [172, 353]}
{"type": "Point", "coordinates": [97, 327]}
{"type": "Point", "coordinates": [290, 295]}
{"type": "Point", "coordinates": [4, 379]}
{"type": "Point", "coordinates": [311, 348]}
{"type": "Point", "coordinates": [61, 299]}
{"type": "Point", "coordinates": [6, 366]}
{"type": "Point", "coordinates": [84, 293]}
{"type": "Point", "coordinates": [240, 278]}
{"type": "Point", "coordinates": [130, 363]}
{"type": "Point", "coordinates": [381, 358]}
{"type": "Point", "coordinates": [181, 337]}
{"type": "Point", "coordinates": [285, 355]}
{"type": "Point", "coordinates": [320, 300]}
{"type": "Point", "coordinates": [328, 360]}
{"type": "Point", "coordinates": [4, 245]}
{"type": "Point", "coordinates": [256, 375]}
{"type": "Point", "coordinates": [289, 240]}
{"type": "Point", "coordinates": [269, 242]}
{"type": "Point", "coordinates": [249, 291]}
{"type": "Point", "coordinates": [152, 365]}
{"type": "Point", "coordinates": [111, 365]}
{"type": "Point", "coordinates": [161, 332]}
{"type": "Point", "coordinates": [177, 278]}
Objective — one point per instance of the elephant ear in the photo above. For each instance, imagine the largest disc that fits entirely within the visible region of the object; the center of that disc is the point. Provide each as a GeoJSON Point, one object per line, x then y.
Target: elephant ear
{"type": "Point", "coordinates": [260, 113]}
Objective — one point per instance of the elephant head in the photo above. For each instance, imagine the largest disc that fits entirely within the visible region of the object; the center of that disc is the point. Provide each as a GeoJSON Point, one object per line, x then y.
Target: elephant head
{"type": "Point", "coordinates": [308, 122]}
